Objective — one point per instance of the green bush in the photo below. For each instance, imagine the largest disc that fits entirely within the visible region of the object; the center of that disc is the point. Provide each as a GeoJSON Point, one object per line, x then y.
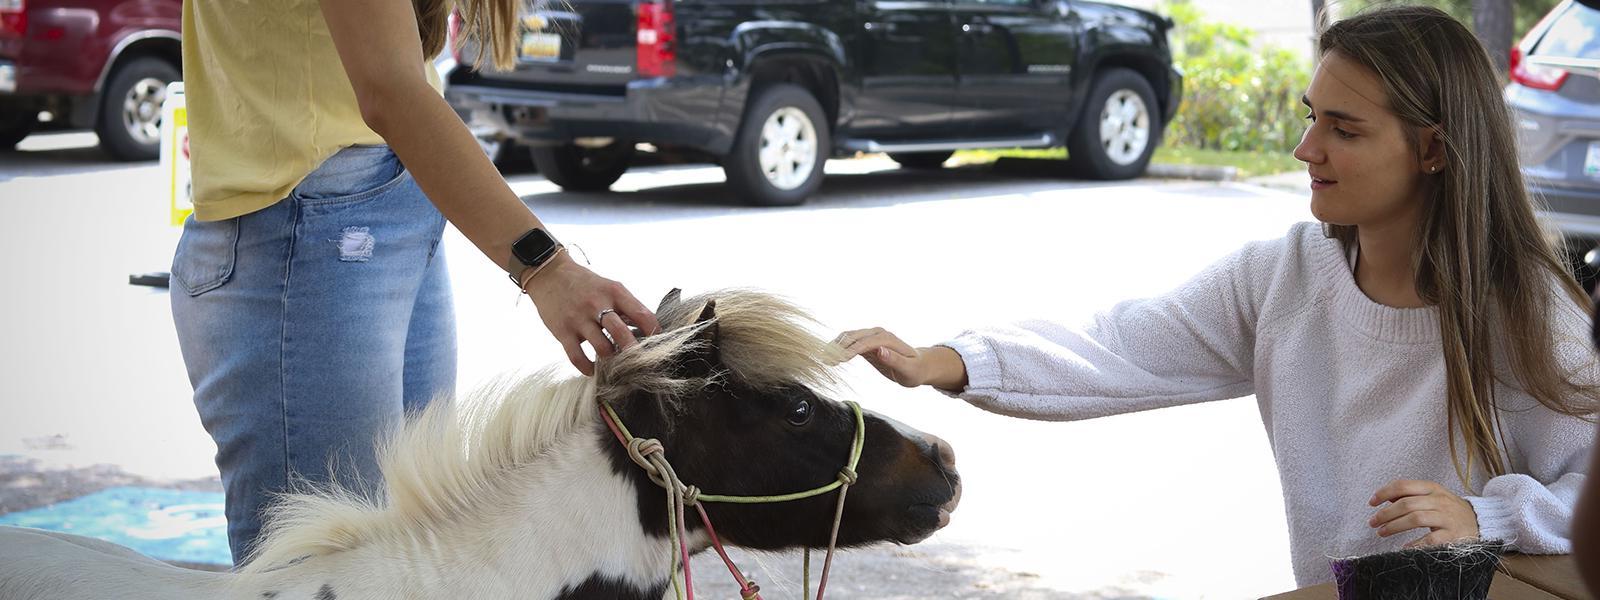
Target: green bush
{"type": "Point", "coordinates": [1237, 95]}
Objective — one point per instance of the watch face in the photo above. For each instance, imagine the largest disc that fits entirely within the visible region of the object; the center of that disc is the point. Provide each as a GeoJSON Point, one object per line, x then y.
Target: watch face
{"type": "Point", "coordinates": [534, 247]}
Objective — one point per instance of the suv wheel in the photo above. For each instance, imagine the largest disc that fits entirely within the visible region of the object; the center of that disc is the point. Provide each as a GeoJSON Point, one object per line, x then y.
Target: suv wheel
{"type": "Point", "coordinates": [778, 157]}
{"type": "Point", "coordinates": [507, 155]}
{"type": "Point", "coordinates": [583, 169]}
{"type": "Point", "coordinates": [129, 123]}
{"type": "Point", "coordinates": [16, 126]}
{"type": "Point", "coordinates": [1118, 129]}
{"type": "Point", "coordinates": [921, 160]}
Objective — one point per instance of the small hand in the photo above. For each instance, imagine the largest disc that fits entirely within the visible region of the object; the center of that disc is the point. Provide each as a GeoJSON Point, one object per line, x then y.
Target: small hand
{"type": "Point", "coordinates": [894, 358]}
{"type": "Point", "coordinates": [1416, 504]}
{"type": "Point", "coordinates": [577, 305]}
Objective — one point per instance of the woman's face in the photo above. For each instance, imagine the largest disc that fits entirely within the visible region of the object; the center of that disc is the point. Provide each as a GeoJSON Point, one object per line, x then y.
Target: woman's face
{"type": "Point", "coordinates": [1363, 171]}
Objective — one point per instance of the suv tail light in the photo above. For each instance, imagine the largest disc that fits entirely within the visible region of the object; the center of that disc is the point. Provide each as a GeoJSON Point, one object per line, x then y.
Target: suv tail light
{"type": "Point", "coordinates": [452, 40]}
{"type": "Point", "coordinates": [13, 18]}
{"type": "Point", "coordinates": [1535, 76]}
{"type": "Point", "coordinates": [657, 49]}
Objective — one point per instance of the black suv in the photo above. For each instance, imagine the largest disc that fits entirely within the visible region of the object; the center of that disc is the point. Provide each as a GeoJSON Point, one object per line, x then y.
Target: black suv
{"type": "Point", "coordinates": [771, 89]}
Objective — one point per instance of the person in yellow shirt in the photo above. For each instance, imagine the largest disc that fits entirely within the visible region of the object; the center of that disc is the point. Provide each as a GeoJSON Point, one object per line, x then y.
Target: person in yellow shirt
{"type": "Point", "coordinates": [309, 288]}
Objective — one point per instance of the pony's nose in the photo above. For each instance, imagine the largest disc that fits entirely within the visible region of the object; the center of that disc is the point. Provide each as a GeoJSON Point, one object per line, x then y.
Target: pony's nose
{"type": "Point", "coordinates": [941, 452]}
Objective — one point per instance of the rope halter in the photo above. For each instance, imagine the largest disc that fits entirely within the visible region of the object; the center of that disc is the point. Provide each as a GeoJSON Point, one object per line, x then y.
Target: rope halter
{"type": "Point", "coordinates": [651, 456]}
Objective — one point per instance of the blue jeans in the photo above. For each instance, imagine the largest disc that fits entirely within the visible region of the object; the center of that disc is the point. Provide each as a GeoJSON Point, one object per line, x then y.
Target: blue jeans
{"type": "Point", "coordinates": [310, 327]}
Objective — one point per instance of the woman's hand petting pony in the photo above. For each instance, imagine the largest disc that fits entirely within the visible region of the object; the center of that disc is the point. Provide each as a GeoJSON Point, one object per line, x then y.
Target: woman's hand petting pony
{"type": "Point", "coordinates": [1416, 504]}
{"type": "Point", "coordinates": [938, 366]}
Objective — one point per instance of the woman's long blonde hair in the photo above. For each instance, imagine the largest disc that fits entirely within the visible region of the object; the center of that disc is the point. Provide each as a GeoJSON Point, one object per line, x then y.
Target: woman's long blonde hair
{"type": "Point", "coordinates": [1482, 258]}
{"type": "Point", "coordinates": [490, 23]}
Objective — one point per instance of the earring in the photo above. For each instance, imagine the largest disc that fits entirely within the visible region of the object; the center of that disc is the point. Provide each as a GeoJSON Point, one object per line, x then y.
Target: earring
{"type": "Point", "coordinates": [1432, 169]}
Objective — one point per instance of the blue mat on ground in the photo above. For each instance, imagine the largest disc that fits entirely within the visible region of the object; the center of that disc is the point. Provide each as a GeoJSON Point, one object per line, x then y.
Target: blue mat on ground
{"type": "Point", "coordinates": [171, 525]}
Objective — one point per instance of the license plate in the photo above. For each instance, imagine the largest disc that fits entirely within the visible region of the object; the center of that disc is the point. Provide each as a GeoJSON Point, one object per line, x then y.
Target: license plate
{"type": "Point", "coordinates": [540, 46]}
{"type": "Point", "coordinates": [1591, 164]}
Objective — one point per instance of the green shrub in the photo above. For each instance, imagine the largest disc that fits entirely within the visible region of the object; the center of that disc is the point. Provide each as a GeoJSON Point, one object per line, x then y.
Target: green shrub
{"type": "Point", "coordinates": [1237, 95]}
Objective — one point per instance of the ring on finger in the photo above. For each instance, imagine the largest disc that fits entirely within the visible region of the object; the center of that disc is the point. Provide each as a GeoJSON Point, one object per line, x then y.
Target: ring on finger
{"type": "Point", "coordinates": [602, 316]}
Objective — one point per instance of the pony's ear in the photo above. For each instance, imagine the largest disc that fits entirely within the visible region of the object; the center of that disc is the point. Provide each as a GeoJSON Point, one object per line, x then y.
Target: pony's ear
{"type": "Point", "coordinates": [672, 297]}
{"type": "Point", "coordinates": [705, 358]}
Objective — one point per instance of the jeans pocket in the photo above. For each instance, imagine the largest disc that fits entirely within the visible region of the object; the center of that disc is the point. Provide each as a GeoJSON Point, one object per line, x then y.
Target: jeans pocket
{"type": "Point", "coordinates": [205, 256]}
{"type": "Point", "coordinates": [351, 175]}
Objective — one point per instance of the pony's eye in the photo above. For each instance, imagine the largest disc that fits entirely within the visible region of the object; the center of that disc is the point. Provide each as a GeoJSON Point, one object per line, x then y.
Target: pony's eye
{"type": "Point", "coordinates": [800, 413]}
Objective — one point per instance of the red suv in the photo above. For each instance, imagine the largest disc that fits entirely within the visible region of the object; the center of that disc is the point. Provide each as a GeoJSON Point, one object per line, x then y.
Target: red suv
{"type": "Point", "coordinates": [103, 64]}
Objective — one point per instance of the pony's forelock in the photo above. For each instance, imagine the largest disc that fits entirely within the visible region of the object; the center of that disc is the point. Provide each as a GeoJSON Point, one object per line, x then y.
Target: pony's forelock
{"type": "Point", "coordinates": [762, 340]}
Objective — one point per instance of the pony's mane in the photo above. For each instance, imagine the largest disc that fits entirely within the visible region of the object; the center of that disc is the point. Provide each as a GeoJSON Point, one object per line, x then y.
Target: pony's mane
{"type": "Point", "coordinates": [446, 461]}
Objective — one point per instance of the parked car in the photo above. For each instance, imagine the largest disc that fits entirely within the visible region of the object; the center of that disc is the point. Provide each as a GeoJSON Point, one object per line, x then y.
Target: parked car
{"type": "Point", "coordinates": [1555, 99]}
{"type": "Point", "coordinates": [101, 64]}
{"type": "Point", "coordinates": [772, 88]}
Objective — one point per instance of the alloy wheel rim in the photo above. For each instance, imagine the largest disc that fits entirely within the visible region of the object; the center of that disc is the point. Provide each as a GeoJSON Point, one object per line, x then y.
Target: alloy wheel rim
{"type": "Point", "coordinates": [788, 152]}
{"type": "Point", "coordinates": [1124, 127]}
{"type": "Point", "coordinates": [141, 110]}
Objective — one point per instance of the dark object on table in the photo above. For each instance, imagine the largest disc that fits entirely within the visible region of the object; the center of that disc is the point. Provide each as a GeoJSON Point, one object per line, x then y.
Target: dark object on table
{"type": "Point", "coordinates": [1456, 571]}
{"type": "Point", "coordinates": [159, 280]}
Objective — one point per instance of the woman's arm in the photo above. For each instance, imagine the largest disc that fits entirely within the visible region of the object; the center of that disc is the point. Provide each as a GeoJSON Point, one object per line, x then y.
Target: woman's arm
{"type": "Point", "coordinates": [379, 45]}
{"type": "Point", "coordinates": [1193, 344]}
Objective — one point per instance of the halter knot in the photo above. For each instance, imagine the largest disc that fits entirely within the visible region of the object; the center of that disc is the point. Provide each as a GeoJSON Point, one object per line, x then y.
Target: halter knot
{"type": "Point", "coordinates": [750, 593]}
{"type": "Point", "coordinates": [847, 476]}
{"type": "Point", "coordinates": [641, 450]}
{"type": "Point", "coordinates": [691, 495]}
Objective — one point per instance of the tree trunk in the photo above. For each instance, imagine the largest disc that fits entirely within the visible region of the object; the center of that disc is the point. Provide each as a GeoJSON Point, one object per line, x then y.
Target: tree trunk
{"type": "Point", "coordinates": [1492, 21]}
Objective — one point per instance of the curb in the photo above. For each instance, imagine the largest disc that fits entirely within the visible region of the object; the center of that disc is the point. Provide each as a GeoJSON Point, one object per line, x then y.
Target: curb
{"type": "Point", "coordinates": [1057, 167]}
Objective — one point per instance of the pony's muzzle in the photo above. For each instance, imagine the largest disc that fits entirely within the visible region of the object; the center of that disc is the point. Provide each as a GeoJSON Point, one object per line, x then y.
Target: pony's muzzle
{"type": "Point", "coordinates": [944, 458]}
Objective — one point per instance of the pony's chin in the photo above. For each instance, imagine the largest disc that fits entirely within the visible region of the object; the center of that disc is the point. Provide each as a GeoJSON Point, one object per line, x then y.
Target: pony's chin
{"type": "Point", "coordinates": [924, 519]}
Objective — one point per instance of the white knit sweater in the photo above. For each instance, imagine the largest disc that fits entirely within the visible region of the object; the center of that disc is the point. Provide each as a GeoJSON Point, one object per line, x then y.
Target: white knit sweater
{"type": "Point", "coordinates": [1352, 392]}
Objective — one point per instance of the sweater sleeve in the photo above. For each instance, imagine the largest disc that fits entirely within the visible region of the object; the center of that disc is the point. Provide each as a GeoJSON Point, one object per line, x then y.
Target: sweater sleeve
{"type": "Point", "coordinates": [1531, 509]}
{"type": "Point", "coordinates": [1193, 344]}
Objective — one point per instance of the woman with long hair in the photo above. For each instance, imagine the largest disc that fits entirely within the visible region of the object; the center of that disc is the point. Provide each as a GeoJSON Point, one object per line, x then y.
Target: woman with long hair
{"type": "Point", "coordinates": [310, 294]}
{"type": "Point", "coordinates": [1420, 358]}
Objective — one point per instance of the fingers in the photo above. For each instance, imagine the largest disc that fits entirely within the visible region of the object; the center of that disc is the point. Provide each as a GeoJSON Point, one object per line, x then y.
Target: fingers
{"type": "Point", "coordinates": [1401, 488]}
{"type": "Point", "coordinates": [617, 328]}
{"type": "Point", "coordinates": [575, 354]}
{"type": "Point", "coordinates": [603, 347]}
{"type": "Point", "coordinates": [1412, 520]}
{"type": "Point", "coordinates": [1400, 507]}
{"type": "Point", "coordinates": [863, 341]}
{"type": "Point", "coordinates": [633, 312]}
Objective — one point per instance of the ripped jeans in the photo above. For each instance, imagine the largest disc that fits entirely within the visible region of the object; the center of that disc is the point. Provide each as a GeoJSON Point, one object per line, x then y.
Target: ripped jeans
{"type": "Point", "coordinates": [311, 326]}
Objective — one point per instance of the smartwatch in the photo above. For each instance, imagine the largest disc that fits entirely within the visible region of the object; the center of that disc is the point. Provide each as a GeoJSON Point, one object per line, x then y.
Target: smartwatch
{"type": "Point", "coordinates": [533, 249]}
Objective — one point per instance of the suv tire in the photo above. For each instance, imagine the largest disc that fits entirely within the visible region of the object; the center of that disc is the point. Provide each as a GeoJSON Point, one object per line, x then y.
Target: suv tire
{"type": "Point", "coordinates": [1118, 129]}
{"type": "Point", "coordinates": [921, 160]}
{"type": "Point", "coordinates": [16, 126]}
{"type": "Point", "coordinates": [583, 169]}
{"type": "Point", "coordinates": [786, 115]}
{"type": "Point", "coordinates": [129, 123]}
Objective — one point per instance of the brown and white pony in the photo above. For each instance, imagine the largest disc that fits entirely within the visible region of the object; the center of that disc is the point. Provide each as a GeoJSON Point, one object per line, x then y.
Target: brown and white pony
{"type": "Point", "coordinates": [522, 491]}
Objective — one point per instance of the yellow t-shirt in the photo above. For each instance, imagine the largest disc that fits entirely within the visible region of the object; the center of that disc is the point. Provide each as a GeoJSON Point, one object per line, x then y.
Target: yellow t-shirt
{"type": "Point", "coordinates": [268, 101]}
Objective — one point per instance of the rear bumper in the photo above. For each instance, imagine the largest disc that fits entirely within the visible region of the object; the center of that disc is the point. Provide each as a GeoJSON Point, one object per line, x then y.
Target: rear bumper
{"type": "Point", "coordinates": [1174, 94]}
{"type": "Point", "coordinates": [679, 111]}
{"type": "Point", "coordinates": [1575, 212]}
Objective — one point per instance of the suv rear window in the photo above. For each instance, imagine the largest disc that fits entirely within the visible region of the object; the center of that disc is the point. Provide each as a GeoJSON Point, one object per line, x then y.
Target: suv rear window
{"type": "Point", "coordinates": [1575, 34]}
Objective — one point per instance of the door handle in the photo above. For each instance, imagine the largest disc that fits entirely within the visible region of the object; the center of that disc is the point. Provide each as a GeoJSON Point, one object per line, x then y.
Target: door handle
{"type": "Point", "coordinates": [979, 28]}
{"type": "Point", "coordinates": [881, 27]}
